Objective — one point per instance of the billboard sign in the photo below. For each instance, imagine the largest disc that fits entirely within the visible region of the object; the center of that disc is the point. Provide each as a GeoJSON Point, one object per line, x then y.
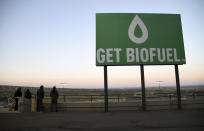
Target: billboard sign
{"type": "Point", "coordinates": [139, 39]}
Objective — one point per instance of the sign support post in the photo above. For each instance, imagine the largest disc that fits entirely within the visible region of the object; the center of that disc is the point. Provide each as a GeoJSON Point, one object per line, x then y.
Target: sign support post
{"type": "Point", "coordinates": [105, 88]}
{"type": "Point", "coordinates": [178, 87]}
{"type": "Point", "coordinates": [143, 88]}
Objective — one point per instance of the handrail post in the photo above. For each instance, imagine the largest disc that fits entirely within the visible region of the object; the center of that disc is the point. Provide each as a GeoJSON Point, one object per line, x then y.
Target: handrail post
{"type": "Point", "coordinates": [91, 99]}
{"type": "Point", "coordinates": [170, 99]}
{"type": "Point", "coordinates": [64, 98]}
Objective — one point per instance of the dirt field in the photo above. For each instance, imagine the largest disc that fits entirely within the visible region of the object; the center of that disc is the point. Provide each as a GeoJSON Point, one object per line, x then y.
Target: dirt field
{"type": "Point", "coordinates": [185, 120]}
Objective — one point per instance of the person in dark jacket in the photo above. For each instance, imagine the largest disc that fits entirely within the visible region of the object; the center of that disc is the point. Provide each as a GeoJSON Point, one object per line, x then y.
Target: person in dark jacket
{"type": "Point", "coordinates": [54, 96]}
{"type": "Point", "coordinates": [40, 96]}
{"type": "Point", "coordinates": [27, 101]}
{"type": "Point", "coordinates": [28, 94]}
{"type": "Point", "coordinates": [17, 94]}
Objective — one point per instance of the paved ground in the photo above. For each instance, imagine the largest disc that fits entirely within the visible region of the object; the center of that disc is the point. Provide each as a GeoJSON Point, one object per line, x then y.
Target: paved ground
{"type": "Point", "coordinates": [185, 120]}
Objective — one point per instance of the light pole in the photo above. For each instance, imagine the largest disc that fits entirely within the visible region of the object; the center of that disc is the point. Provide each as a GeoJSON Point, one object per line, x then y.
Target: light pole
{"type": "Point", "coordinates": [159, 83]}
{"type": "Point", "coordinates": [63, 84]}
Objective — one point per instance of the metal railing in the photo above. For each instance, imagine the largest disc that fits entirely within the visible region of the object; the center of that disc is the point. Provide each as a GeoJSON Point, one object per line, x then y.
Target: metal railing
{"type": "Point", "coordinates": [117, 102]}
{"type": "Point", "coordinates": [129, 101]}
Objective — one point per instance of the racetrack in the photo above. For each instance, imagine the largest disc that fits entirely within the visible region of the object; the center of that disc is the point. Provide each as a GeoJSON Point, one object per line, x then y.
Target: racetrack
{"type": "Point", "coordinates": [168, 120]}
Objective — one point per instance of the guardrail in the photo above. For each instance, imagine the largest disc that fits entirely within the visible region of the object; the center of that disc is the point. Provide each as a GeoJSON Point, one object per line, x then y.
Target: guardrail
{"type": "Point", "coordinates": [117, 102]}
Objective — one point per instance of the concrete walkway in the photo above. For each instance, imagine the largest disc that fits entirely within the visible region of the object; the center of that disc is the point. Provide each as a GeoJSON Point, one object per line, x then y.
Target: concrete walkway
{"type": "Point", "coordinates": [185, 120]}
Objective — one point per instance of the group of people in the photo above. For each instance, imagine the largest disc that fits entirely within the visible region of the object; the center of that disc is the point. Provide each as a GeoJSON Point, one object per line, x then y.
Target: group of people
{"type": "Point", "coordinates": [18, 94]}
{"type": "Point", "coordinates": [40, 95]}
{"type": "Point", "coordinates": [54, 96]}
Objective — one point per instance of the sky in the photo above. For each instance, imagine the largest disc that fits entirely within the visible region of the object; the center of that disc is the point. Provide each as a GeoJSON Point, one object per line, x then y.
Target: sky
{"type": "Point", "coordinates": [52, 42]}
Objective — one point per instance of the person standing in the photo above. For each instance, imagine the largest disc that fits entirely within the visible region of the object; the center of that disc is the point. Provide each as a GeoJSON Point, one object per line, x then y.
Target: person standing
{"type": "Point", "coordinates": [28, 94]}
{"type": "Point", "coordinates": [54, 96]}
{"type": "Point", "coordinates": [17, 94]}
{"type": "Point", "coordinates": [27, 101]}
{"type": "Point", "coordinates": [40, 96]}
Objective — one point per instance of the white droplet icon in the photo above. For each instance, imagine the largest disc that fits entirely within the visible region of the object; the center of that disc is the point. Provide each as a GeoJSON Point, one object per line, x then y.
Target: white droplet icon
{"type": "Point", "coordinates": [137, 21]}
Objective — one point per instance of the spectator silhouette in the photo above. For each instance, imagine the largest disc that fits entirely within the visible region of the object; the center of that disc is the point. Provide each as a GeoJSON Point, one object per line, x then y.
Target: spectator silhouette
{"type": "Point", "coordinates": [40, 96]}
{"type": "Point", "coordinates": [17, 94]}
{"type": "Point", "coordinates": [54, 96]}
{"type": "Point", "coordinates": [27, 101]}
{"type": "Point", "coordinates": [28, 94]}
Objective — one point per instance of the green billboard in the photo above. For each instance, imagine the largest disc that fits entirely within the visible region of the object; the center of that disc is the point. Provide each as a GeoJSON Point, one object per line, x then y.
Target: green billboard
{"type": "Point", "coordinates": [139, 39]}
